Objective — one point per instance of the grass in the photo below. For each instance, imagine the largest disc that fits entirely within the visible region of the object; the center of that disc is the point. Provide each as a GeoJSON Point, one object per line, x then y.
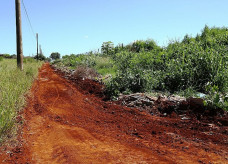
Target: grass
{"type": "Point", "coordinates": [104, 66]}
{"type": "Point", "coordinates": [14, 84]}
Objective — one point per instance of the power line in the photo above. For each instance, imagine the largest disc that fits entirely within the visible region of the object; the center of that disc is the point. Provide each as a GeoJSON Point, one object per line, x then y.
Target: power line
{"type": "Point", "coordinates": [28, 19]}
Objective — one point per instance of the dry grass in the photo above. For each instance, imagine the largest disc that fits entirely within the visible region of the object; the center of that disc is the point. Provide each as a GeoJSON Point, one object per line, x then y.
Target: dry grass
{"type": "Point", "coordinates": [83, 72]}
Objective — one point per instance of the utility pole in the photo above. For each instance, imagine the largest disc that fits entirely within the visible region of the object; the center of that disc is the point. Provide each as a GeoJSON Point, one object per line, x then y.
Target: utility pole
{"type": "Point", "coordinates": [19, 35]}
{"type": "Point", "coordinates": [37, 50]}
{"type": "Point", "coordinates": [41, 52]}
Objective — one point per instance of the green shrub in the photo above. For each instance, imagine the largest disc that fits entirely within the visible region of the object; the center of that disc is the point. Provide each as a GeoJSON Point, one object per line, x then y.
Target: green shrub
{"type": "Point", "coordinates": [215, 99]}
{"type": "Point", "coordinates": [141, 45]}
{"type": "Point", "coordinates": [137, 72]}
{"type": "Point", "coordinates": [190, 65]}
{"type": "Point", "coordinates": [7, 56]}
{"type": "Point", "coordinates": [193, 63]}
{"type": "Point", "coordinates": [56, 61]}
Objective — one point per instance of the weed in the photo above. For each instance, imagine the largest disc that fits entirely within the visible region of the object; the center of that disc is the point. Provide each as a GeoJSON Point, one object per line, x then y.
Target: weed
{"type": "Point", "coordinates": [13, 86]}
{"type": "Point", "coordinates": [215, 99]}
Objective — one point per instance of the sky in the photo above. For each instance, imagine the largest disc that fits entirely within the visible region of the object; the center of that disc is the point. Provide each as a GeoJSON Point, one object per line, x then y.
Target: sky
{"type": "Point", "coordinates": [79, 26]}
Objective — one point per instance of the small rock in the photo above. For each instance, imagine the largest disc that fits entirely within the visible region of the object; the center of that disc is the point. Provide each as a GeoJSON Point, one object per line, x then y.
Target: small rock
{"type": "Point", "coordinates": [185, 118]}
{"type": "Point", "coordinates": [153, 132]}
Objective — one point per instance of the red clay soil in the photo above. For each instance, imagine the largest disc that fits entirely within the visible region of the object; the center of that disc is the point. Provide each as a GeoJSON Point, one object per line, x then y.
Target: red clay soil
{"type": "Point", "coordinates": [64, 124]}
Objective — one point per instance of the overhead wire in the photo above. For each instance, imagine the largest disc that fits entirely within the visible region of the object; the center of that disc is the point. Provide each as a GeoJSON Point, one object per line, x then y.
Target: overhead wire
{"type": "Point", "coordinates": [28, 19]}
{"type": "Point", "coordinates": [34, 35]}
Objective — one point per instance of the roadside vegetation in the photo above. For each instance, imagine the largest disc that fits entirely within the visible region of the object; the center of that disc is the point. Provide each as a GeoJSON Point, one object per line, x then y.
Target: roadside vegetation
{"type": "Point", "coordinates": [192, 66]}
{"type": "Point", "coordinates": [14, 84]}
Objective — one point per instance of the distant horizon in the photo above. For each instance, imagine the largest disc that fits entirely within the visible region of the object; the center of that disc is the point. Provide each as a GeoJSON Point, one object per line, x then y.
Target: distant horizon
{"type": "Point", "coordinates": [95, 50]}
{"type": "Point", "coordinates": [76, 27]}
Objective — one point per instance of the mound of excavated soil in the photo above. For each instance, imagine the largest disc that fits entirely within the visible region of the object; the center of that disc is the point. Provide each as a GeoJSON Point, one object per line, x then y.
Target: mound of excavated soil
{"type": "Point", "coordinates": [188, 109]}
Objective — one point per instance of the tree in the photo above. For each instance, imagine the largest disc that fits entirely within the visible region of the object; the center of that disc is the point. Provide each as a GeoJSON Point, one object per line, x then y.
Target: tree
{"type": "Point", "coordinates": [40, 57]}
{"type": "Point", "coordinates": [147, 45]}
{"type": "Point", "coordinates": [48, 59]}
{"type": "Point", "coordinates": [14, 56]}
{"type": "Point", "coordinates": [55, 56]}
{"type": "Point", "coordinates": [6, 55]}
{"type": "Point", "coordinates": [107, 48]}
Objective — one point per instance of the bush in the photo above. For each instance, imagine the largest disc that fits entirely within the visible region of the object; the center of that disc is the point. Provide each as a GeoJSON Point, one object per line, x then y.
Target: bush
{"type": "Point", "coordinates": [136, 72]}
{"type": "Point", "coordinates": [7, 56]}
{"type": "Point", "coordinates": [141, 45]}
{"type": "Point", "coordinates": [55, 56]}
{"type": "Point", "coordinates": [190, 65]}
{"type": "Point", "coordinates": [193, 63]}
{"type": "Point", "coordinates": [40, 57]}
{"type": "Point", "coordinates": [215, 99]}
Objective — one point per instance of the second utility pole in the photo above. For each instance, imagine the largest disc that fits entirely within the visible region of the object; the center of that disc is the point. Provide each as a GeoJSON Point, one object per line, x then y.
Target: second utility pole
{"type": "Point", "coordinates": [37, 50]}
{"type": "Point", "coordinates": [19, 35]}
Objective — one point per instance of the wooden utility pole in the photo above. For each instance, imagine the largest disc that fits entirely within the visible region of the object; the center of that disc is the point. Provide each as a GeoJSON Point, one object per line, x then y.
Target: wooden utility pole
{"type": "Point", "coordinates": [19, 35]}
{"type": "Point", "coordinates": [41, 52]}
{"type": "Point", "coordinates": [37, 50]}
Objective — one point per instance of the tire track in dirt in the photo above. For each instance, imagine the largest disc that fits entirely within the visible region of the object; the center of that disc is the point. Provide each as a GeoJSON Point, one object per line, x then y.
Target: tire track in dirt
{"type": "Point", "coordinates": [64, 125]}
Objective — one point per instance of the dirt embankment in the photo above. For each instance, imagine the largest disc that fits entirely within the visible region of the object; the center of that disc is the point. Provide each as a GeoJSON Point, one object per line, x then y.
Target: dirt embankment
{"type": "Point", "coordinates": [66, 123]}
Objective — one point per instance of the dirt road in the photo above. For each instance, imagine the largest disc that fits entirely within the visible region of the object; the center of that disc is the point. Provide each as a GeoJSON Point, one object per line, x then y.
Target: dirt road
{"type": "Point", "coordinates": [66, 125]}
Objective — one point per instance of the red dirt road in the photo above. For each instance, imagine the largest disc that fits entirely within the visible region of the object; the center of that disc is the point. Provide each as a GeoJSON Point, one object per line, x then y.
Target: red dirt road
{"type": "Point", "coordinates": [65, 125]}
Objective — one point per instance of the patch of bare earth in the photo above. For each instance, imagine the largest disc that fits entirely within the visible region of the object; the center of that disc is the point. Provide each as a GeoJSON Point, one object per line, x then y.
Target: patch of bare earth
{"type": "Point", "coordinates": [66, 121]}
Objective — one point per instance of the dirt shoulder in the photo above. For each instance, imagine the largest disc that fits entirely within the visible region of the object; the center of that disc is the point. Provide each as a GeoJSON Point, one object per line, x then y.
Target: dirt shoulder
{"type": "Point", "coordinates": [66, 123]}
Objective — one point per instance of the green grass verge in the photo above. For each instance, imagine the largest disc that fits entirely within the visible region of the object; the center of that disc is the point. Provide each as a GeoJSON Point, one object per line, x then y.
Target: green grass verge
{"type": "Point", "coordinates": [14, 84]}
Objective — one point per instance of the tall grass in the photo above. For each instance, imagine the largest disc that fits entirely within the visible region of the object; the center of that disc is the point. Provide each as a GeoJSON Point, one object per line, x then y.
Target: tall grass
{"type": "Point", "coordinates": [14, 84]}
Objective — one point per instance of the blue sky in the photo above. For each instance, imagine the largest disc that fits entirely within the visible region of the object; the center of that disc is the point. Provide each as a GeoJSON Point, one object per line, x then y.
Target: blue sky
{"type": "Point", "coordinates": [78, 26]}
